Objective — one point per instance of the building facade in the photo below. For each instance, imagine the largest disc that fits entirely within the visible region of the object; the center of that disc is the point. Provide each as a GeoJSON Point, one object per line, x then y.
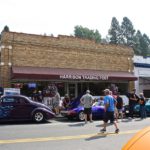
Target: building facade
{"type": "Point", "coordinates": [73, 64]}
{"type": "Point", "coordinates": [142, 72]}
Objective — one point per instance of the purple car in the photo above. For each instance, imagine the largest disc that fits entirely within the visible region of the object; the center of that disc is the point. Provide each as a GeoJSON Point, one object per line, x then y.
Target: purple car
{"type": "Point", "coordinates": [19, 107]}
{"type": "Point", "coordinates": [77, 112]}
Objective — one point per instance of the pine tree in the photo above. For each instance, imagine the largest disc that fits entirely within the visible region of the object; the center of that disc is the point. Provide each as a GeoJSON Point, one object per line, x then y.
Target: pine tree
{"type": "Point", "coordinates": [115, 32]}
{"type": "Point", "coordinates": [128, 31]}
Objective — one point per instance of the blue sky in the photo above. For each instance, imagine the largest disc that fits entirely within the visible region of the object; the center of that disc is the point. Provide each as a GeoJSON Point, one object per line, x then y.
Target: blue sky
{"type": "Point", "coordinates": [60, 16]}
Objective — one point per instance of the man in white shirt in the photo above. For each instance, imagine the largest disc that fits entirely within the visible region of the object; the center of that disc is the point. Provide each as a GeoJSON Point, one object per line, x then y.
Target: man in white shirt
{"type": "Point", "coordinates": [87, 101]}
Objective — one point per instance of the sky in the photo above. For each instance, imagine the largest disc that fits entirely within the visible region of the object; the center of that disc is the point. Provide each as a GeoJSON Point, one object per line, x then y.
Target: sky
{"type": "Point", "coordinates": [59, 17]}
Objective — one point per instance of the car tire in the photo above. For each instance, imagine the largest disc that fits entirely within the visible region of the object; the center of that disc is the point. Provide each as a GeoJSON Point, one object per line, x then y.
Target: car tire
{"type": "Point", "coordinates": [38, 116]}
{"type": "Point", "coordinates": [81, 116]}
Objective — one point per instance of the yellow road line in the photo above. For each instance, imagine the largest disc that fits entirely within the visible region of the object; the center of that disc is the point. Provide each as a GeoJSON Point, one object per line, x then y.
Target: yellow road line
{"type": "Point", "coordinates": [44, 139]}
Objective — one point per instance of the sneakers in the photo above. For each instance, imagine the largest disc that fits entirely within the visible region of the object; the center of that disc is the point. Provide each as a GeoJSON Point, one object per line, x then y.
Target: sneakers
{"type": "Point", "coordinates": [117, 131]}
{"type": "Point", "coordinates": [103, 130]}
{"type": "Point", "coordinates": [91, 121]}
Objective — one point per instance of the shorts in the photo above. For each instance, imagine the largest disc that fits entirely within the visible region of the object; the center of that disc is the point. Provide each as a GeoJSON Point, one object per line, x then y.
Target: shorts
{"type": "Point", "coordinates": [109, 115]}
{"type": "Point", "coordinates": [87, 111]}
{"type": "Point", "coordinates": [120, 110]}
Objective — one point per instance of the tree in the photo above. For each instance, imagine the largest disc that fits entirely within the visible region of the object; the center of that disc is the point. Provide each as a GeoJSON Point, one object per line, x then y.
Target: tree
{"type": "Point", "coordinates": [86, 33]}
{"type": "Point", "coordinates": [127, 31]}
{"type": "Point", "coordinates": [137, 42]}
{"type": "Point", "coordinates": [6, 29]}
{"type": "Point", "coordinates": [142, 44]}
{"type": "Point", "coordinates": [115, 32]}
{"type": "Point", "coordinates": [145, 43]}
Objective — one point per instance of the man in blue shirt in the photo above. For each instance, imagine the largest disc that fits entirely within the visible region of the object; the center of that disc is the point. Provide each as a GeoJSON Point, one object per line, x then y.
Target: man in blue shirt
{"type": "Point", "coordinates": [110, 104]}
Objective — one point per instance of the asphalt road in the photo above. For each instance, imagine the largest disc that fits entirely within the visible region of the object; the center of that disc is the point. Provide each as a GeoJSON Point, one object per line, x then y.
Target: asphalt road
{"type": "Point", "coordinates": [61, 134]}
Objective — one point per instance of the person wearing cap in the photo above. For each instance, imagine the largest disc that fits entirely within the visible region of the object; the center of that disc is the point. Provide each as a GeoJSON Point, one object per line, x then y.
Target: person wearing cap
{"type": "Point", "coordinates": [110, 104]}
{"type": "Point", "coordinates": [87, 101]}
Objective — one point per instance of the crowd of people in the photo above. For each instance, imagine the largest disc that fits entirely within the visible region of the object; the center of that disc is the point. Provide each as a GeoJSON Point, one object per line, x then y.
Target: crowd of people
{"type": "Point", "coordinates": [113, 106]}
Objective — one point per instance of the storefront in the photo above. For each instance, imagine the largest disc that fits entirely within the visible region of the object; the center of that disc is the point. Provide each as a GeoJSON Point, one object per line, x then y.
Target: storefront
{"type": "Point", "coordinates": [73, 64]}
{"type": "Point", "coordinates": [71, 81]}
{"type": "Point", "coordinates": [142, 72]}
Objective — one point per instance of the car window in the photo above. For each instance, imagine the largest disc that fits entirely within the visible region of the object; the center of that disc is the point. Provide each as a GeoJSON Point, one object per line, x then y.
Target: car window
{"type": "Point", "coordinates": [148, 102]}
{"type": "Point", "coordinates": [8, 100]}
{"type": "Point", "coordinates": [21, 100]}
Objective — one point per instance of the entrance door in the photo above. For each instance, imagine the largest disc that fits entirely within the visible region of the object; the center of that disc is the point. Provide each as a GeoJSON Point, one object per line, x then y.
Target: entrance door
{"type": "Point", "coordinates": [72, 89]}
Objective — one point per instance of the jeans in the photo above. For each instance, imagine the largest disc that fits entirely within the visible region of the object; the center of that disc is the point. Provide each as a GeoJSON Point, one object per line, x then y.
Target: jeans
{"type": "Point", "coordinates": [142, 111]}
{"type": "Point", "coordinates": [131, 110]}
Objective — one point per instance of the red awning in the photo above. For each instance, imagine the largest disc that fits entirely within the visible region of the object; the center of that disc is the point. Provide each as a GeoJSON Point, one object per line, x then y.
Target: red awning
{"type": "Point", "coordinates": [42, 73]}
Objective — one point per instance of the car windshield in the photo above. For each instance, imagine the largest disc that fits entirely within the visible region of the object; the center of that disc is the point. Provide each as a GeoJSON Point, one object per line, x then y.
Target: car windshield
{"type": "Point", "coordinates": [148, 102]}
{"type": "Point", "coordinates": [99, 103]}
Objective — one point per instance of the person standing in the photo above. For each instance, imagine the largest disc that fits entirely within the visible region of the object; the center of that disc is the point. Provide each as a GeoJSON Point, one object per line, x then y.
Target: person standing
{"type": "Point", "coordinates": [119, 105]}
{"type": "Point", "coordinates": [110, 104]}
{"type": "Point", "coordinates": [142, 106]}
{"type": "Point", "coordinates": [56, 103]}
{"type": "Point", "coordinates": [133, 100]}
{"type": "Point", "coordinates": [66, 101]}
{"type": "Point", "coordinates": [87, 101]}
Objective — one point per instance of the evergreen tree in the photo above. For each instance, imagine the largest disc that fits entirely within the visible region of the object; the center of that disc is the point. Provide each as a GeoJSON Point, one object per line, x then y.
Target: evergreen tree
{"type": "Point", "coordinates": [145, 43]}
{"type": "Point", "coordinates": [115, 32]}
{"type": "Point", "coordinates": [128, 31]}
{"type": "Point", "coordinates": [137, 43]}
{"type": "Point", "coordinates": [6, 29]}
{"type": "Point", "coordinates": [142, 44]}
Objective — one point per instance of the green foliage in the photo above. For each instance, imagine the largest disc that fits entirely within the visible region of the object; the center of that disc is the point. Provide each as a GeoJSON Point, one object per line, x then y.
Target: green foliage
{"type": "Point", "coordinates": [86, 33]}
{"type": "Point", "coordinates": [127, 31]}
{"type": "Point", "coordinates": [115, 32]}
{"type": "Point", "coordinates": [127, 35]}
{"type": "Point", "coordinates": [6, 29]}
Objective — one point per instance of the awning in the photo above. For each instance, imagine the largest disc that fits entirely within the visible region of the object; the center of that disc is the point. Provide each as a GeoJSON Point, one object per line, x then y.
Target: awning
{"type": "Point", "coordinates": [43, 73]}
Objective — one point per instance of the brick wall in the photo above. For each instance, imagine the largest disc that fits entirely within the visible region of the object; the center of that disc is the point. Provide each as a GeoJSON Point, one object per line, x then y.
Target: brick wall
{"type": "Point", "coordinates": [64, 52]}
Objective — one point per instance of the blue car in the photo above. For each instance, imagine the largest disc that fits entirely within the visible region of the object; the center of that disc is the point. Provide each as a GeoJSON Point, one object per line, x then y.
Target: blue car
{"type": "Point", "coordinates": [136, 110]}
{"type": "Point", "coordinates": [77, 112]}
{"type": "Point", "coordinates": [19, 107]}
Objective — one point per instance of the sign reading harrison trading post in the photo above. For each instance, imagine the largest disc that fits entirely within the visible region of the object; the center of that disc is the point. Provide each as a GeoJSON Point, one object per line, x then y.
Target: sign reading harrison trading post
{"type": "Point", "coordinates": [84, 77]}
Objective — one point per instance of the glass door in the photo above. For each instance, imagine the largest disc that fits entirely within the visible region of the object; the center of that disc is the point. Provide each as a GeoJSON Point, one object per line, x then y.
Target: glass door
{"type": "Point", "coordinates": [72, 89]}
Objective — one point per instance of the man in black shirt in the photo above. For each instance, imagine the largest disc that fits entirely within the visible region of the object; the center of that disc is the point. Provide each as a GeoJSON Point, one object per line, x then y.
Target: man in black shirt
{"type": "Point", "coordinates": [133, 100]}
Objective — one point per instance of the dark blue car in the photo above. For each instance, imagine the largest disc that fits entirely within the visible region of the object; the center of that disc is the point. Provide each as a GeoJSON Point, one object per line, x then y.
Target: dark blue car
{"type": "Point", "coordinates": [18, 107]}
{"type": "Point", "coordinates": [77, 111]}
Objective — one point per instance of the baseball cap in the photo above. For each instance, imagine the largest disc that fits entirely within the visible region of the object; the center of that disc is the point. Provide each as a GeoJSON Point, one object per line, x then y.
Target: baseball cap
{"type": "Point", "coordinates": [87, 91]}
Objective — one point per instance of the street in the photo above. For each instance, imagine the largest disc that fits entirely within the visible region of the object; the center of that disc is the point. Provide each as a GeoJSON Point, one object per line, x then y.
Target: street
{"type": "Point", "coordinates": [61, 134]}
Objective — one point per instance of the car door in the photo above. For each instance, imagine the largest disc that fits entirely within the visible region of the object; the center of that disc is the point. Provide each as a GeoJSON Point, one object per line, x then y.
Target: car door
{"type": "Point", "coordinates": [23, 108]}
{"type": "Point", "coordinates": [97, 110]}
{"type": "Point", "coordinates": [6, 107]}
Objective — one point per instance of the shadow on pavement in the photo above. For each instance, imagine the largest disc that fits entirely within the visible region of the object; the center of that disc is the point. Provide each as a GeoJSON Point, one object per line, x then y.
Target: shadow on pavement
{"type": "Point", "coordinates": [97, 136]}
{"type": "Point", "coordinates": [6, 123]}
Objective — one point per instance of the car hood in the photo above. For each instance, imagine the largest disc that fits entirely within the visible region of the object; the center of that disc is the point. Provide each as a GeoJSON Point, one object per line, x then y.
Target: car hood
{"type": "Point", "coordinates": [41, 105]}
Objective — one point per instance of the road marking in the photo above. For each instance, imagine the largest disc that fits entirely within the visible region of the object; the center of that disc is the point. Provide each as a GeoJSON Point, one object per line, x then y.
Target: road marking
{"type": "Point", "coordinates": [44, 139]}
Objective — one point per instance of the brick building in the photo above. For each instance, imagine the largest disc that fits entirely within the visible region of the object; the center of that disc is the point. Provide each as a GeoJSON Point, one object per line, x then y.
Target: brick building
{"type": "Point", "coordinates": [71, 63]}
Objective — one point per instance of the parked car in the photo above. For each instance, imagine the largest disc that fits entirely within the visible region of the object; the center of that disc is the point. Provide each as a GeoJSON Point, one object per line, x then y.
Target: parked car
{"type": "Point", "coordinates": [19, 107]}
{"type": "Point", "coordinates": [136, 110]}
{"type": "Point", "coordinates": [77, 112]}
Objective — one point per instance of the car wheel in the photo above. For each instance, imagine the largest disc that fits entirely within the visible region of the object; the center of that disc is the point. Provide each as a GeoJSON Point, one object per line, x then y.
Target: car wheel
{"type": "Point", "coordinates": [81, 116]}
{"type": "Point", "coordinates": [38, 116]}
